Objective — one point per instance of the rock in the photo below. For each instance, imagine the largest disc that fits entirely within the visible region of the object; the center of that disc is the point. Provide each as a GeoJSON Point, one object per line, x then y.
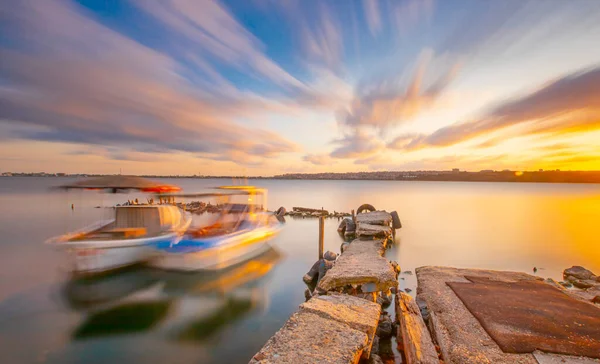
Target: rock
{"type": "Point", "coordinates": [554, 283]}
{"type": "Point", "coordinates": [393, 290]}
{"type": "Point", "coordinates": [385, 329]}
{"type": "Point", "coordinates": [407, 272]}
{"type": "Point", "coordinates": [375, 359]}
{"type": "Point", "coordinates": [423, 308]}
{"type": "Point", "coordinates": [386, 298]}
{"type": "Point", "coordinates": [578, 272]}
{"type": "Point", "coordinates": [312, 273]}
{"type": "Point", "coordinates": [307, 279]}
{"type": "Point", "coordinates": [344, 246]}
{"type": "Point", "coordinates": [586, 294]}
{"type": "Point", "coordinates": [375, 347]}
{"type": "Point", "coordinates": [396, 267]}
{"type": "Point", "coordinates": [407, 290]}
{"type": "Point", "coordinates": [324, 267]}
{"type": "Point", "coordinates": [307, 294]}
{"type": "Point", "coordinates": [565, 284]}
{"type": "Point", "coordinates": [329, 255]}
{"type": "Point", "coordinates": [385, 349]}
{"type": "Point", "coordinates": [579, 283]}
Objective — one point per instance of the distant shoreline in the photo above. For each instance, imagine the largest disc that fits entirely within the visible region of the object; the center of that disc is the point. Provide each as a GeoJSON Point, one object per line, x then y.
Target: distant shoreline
{"type": "Point", "coordinates": [588, 177]}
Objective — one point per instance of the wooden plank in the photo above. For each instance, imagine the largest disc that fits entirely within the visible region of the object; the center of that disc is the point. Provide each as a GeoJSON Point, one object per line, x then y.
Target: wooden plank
{"type": "Point", "coordinates": [417, 342]}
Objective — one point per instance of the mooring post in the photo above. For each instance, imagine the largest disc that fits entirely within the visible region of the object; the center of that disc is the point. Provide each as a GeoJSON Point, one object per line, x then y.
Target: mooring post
{"type": "Point", "coordinates": [321, 235]}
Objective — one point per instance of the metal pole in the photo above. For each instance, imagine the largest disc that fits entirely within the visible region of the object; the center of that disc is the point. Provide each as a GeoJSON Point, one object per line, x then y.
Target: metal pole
{"type": "Point", "coordinates": [321, 235]}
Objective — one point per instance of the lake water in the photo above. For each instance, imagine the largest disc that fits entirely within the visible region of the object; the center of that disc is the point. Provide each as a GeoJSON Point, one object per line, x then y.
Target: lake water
{"type": "Point", "coordinates": [148, 316]}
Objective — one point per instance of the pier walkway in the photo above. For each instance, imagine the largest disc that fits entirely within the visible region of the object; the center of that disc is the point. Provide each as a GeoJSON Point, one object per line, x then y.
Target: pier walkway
{"type": "Point", "coordinates": [460, 316]}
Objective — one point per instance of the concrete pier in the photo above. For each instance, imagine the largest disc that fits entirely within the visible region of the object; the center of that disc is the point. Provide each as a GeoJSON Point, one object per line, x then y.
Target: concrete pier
{"type": "Point", "coordinates": [469, 315]}
{"type": "Point", "coordinates": [334, 328]}
{"type": "Point", "coordinates": [336, 325]}
{"type": "Point", "coordinates": [362, 264]}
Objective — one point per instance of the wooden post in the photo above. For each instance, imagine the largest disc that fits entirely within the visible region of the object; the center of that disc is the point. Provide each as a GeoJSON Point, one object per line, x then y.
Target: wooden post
{"type": "Point", "coordinates": [353, 217]}
{"type": "Point", "coordinates": [321, 235]}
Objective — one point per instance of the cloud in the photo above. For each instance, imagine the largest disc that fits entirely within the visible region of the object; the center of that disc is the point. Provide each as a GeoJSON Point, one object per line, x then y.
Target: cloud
{"type": "Point", "coordinates": [318, 159]}
{"type": "Point", "coordinates": [408, 14]}
{"type": "Point", "coordinates": [211, 28]}
{"type": "Point", "coordinates": [74, 80]}
{"type": "Point", "coordinates": [389, 101]}
{"type": "Point", "coordinates": [373, 15]}
{"type": "Point", "coordinates": [358, 144]}
{"type": "Point", "coordinates": [570, 104]}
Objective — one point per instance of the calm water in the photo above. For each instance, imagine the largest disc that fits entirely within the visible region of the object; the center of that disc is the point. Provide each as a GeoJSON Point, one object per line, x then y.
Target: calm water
{"type": "Point", "coordinates": [149, 316]}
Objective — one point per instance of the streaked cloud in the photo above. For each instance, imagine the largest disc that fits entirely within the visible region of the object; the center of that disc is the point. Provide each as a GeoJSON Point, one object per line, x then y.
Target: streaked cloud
{"type": "Point", "coordinates": [318, 159]}
{"type": "Point", "coordinates": [373, 15]}
{"type": "Point", "coordinates": [298, 85]}
{"type": "Point", "coordinates": [390, 100]}
{"type": "Point", "coordinates": [358, 144]}
{"type": "Point", "coordinates": [209, 26]}
{"type": "Point", "coordinates": [569, 104]}
{"type": "Point", "coordinates": [78, 81]}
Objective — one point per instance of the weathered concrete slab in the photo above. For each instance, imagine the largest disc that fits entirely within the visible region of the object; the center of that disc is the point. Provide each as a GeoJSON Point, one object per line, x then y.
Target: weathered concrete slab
{"type": "Point", "coordinates": [308, 338]}
{"type": "Point", "coordinates": [460, 336]}
{"type": "Point", "coordinates": [361, 263]}
{"type": "Point", "coordinates": [374, 218]}
{"type": "Point", "coordinates": [546, 358]}
{"type": "Point", "coordinates": [355, 312]}
{"type": "Point", "coordinates": [364, 229]}
{"type": "Point", "coordinates": [416, 340]}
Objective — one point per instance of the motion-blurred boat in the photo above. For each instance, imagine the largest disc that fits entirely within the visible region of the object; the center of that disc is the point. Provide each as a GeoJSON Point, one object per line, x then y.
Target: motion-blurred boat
{"type": "Point", "coordinates": [130, 236]}
{"type": "Point", "coordinates": [242, 231]}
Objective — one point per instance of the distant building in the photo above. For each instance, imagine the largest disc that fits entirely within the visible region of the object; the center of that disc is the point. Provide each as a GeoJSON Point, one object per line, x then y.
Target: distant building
{"type": "Point", "coordinates": [61, 174]}
{"type": "Point", "coordinates": [541, 170]}
{"type": "Point", "coordinates": [486, 171]}
{"type": "Point", "coordinates": [455, 170]}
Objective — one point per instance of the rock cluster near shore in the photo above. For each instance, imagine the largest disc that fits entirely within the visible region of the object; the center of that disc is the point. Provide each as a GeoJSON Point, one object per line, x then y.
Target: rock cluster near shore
{"type": "Point", "coordinates": [587, 282]}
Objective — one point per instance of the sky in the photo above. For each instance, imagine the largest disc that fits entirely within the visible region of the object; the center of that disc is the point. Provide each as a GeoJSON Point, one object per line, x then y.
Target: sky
{"type": "Point", "coordinates": [265, 87]}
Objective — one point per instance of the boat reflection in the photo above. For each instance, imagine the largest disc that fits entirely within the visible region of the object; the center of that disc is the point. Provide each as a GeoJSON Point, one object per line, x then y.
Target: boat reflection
{"type": "Point", "coordinates": [185, 307]}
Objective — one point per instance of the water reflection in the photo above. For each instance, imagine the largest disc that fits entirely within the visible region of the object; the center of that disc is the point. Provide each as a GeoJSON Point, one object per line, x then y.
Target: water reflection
{"type": "Point", "coordinates": [189, 306]}
{"type": "Point", "coordinates": [123, 319]}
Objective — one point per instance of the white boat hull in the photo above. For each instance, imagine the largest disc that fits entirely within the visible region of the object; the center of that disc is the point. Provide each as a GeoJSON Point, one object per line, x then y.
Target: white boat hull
{"type": "Point", "coordinates": [229, 252]}
{"type": "Point", "coordinates": [92, 259]}
{"type": "Point", "coordinates": [96, 256]}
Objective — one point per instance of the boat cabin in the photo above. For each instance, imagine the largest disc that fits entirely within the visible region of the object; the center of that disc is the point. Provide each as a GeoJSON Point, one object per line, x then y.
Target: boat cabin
{"type": "Point", "coordinates": [137, 221]}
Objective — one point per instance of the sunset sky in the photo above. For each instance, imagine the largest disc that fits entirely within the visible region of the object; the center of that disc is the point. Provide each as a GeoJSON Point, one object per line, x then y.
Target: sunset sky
{"type": "Point", "coordinates": [263, 87]}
